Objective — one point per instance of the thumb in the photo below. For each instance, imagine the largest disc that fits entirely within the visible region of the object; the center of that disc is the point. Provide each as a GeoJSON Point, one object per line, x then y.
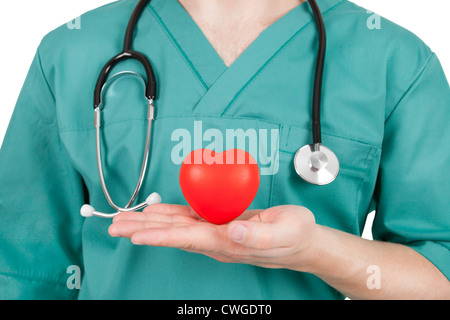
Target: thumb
{"type": "Point", "coordinates": [253, 234]}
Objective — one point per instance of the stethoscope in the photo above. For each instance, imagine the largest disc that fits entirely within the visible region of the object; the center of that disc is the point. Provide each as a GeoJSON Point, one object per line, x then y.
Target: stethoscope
{"type": "Point", "coordinates": [314, 162]}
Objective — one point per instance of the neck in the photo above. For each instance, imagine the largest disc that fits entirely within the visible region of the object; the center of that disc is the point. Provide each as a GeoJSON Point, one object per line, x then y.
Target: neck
{"type": "Point", "coordinates": [262, 11]}
{"type": "Point", "coordinates": [232, 25]}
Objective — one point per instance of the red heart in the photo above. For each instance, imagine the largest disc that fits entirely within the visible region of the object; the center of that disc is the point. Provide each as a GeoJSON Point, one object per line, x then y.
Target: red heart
{"type": "Point", "coordinates": [219, 186]}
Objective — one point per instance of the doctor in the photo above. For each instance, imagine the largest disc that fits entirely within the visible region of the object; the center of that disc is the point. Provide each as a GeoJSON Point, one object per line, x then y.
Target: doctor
{"type": "Point", "coordinates": [231, 65]}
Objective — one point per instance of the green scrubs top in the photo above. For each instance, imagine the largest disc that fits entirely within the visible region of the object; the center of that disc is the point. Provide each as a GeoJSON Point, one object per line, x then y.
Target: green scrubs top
{"type": "Point", "coordinates": [386, 109]}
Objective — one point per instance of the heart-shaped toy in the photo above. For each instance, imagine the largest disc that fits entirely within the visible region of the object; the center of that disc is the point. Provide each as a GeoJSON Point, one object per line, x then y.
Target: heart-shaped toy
{"type": "Point", "coordinates": [219, 186]}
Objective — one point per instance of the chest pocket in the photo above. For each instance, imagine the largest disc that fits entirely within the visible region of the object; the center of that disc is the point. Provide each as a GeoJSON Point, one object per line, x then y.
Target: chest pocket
{"type": "Point", "coordinates": [339, 204]}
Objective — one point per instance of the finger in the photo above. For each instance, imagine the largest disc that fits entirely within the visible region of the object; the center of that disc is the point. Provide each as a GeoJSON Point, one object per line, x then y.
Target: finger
{"type": "Point", "coordinates": [167, 208]}
{"type": "Point", "coordinates": [248, 214]}
{"type": "Point", "coordinates": [192, 237]}
{"type": "Point", "coordinates": [152, 216]}
{"type": "Point", "coordinates": [127, 228]}
{"type": "Point", "coordinates": [125, 225]}
{"type": "Point", "coordinates": [266, 230]}
{"type": "Point", "coordinates": [128, 216]}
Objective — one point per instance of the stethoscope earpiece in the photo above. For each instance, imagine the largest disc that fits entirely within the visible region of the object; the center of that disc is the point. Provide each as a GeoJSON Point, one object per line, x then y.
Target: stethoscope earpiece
{"type": "Point", "coordinates": [88, 211]}
{"type": "Point", "coordinates": [154, 198]}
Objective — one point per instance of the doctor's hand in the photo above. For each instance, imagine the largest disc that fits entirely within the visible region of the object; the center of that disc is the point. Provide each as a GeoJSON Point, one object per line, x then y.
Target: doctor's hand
{"type": "Point", "coordinates": [278, 237]}
{"type": "Point", "coordinates": [287, 237]}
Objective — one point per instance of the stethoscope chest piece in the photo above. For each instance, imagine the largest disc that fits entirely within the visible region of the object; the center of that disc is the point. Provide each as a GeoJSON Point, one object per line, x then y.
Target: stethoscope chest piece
{"type": "Point", "coordinates": [316, 164]}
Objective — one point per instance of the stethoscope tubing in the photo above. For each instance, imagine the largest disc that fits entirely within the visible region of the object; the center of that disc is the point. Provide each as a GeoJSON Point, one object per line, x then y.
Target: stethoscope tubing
{"type": "Point", "coordinates": [320, 64]}
{"type": "Point", "coordinates": [128, 53]}
{"type": "Point", "coordinates": [127, 208]}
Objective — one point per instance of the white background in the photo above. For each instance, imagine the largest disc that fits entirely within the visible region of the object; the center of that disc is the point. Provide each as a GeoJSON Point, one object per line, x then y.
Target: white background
{"type": "Point", "coordinates": [24, 23]}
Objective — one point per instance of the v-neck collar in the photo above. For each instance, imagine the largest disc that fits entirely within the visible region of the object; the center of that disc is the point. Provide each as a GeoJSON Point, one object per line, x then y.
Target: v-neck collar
{"type": "Point", "coordinates": [189, 39]}
{"type": "Point", "coordinates": [223, 84]}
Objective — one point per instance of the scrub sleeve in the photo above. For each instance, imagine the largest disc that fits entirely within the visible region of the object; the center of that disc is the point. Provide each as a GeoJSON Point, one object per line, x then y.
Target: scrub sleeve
{"type": "Point", "coordinates": [412, 195]}
{"type": "Point", "coordinates": [40, 224]}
